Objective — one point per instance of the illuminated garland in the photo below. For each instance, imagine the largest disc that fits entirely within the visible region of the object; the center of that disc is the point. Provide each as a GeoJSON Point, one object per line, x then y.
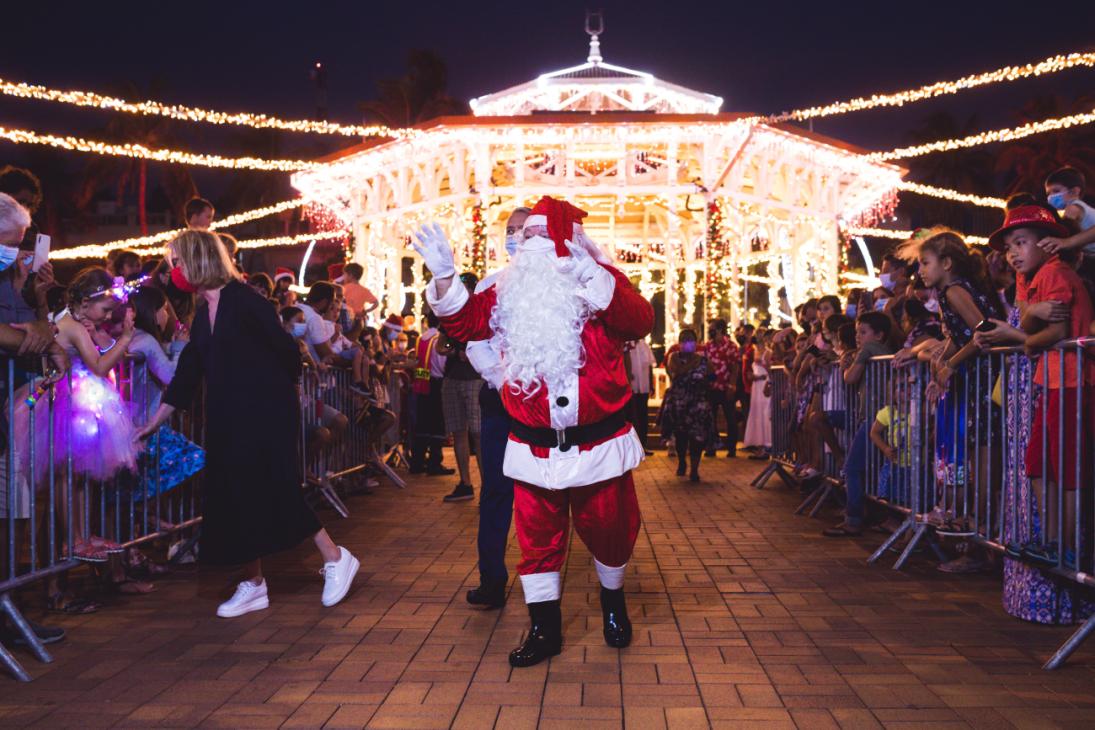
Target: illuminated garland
{"type": "Point", "coordinates": [97, 251]}
{"type": "Point", "coordinates": [901, 235]}
{"type": "Point", "coordinates": [100, 250]}
{"type": "Point", "coordinates": [1050, 65]}
{"type": "Point", "coordinates": [996, 135]}
{"type": "Point", "coordinates": [194, 114]}
{"type": "Point", "coordinates": [954, 195]}
{"type": "Point", "coordinates": [78, 144]}
{"type": "Point", "coordinates": [716, 284]}
{"type": "Point", "coordinates": [478, 241]}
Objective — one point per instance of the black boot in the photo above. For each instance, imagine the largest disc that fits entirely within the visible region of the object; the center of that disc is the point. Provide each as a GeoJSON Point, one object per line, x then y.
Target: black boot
{"type": "Point", "coordinates": [489, 594]}
{"type": "Point", "coordinates": [617, 626]}
{"type": "Point", "coordinates": [545, 635]}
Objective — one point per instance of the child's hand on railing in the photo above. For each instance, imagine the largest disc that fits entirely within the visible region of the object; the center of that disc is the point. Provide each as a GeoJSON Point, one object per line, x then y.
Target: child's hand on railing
{"type": "Point", "coordinates": [904, 357]}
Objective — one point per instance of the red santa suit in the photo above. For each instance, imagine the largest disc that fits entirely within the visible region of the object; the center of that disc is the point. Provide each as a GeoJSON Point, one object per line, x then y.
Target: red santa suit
{"type": "Point", "coordinates": [571, 448]}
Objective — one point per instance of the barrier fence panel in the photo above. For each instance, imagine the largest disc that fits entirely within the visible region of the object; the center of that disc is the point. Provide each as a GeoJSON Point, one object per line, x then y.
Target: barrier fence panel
{"type": "Point", "coordinates": [1001, 459]}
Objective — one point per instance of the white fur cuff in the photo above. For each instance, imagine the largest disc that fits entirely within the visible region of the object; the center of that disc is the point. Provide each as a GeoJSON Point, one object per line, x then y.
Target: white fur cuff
{"type": "Point", "coordinates": [539, 587]}
{"type": "Point", "coordinates": [611, 578]}
{"type": "Point", "coordinates": [453, 301]}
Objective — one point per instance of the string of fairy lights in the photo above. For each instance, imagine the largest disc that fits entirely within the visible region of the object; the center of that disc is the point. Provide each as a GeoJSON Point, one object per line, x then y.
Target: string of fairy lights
{"type": "Point", "coordinates": [1053, 64]}
{"type": "Point", "coordinates": [901, 235]}
{"type": "Point", "coordinates": [995, 135]}
{"type": "Point", "coordinates": [100, 250]}
{"type": "Point", "coordinates": [195, 114]}
{"type": "Point", "coordinates": [79, 144]}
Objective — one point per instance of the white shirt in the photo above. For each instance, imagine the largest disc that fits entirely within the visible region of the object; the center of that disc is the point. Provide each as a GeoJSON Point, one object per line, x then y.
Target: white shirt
{"type": "Point", "coordinates": [640, 358]}
{"type": "Point", "coordinates": [317, 329]}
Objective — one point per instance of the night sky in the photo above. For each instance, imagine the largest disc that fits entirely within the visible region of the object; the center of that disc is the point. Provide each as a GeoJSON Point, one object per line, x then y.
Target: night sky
{"type": "Point", "coordinates": [760, 57]}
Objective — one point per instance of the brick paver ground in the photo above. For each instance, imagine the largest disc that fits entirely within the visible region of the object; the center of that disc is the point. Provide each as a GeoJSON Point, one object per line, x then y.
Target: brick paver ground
{"type": "Point", "coordinates": [744, 616]}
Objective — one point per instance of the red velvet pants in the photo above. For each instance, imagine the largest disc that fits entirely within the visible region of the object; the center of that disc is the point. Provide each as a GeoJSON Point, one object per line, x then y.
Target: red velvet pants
{"type": "Point", "coordinates": [606, 517]}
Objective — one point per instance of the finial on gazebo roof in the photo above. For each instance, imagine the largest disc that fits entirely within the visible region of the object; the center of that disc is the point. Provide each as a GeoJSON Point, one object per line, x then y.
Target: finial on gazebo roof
{"type": "Point", "coordinates": [595, 25]}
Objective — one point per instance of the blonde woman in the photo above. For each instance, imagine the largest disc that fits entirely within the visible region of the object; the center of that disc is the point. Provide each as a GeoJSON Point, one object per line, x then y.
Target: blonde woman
{"type": "Point", "coordinates": [253, 505]}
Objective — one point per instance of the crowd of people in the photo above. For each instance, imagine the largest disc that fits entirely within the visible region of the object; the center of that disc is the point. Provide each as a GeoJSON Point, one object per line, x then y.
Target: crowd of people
{"type": "Point", "coordinates": [940, 301]}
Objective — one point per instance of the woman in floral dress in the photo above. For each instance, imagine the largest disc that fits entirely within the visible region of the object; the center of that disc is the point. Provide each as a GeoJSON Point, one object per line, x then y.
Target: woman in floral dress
{"type": "Point", "coordinates": [686, 412]}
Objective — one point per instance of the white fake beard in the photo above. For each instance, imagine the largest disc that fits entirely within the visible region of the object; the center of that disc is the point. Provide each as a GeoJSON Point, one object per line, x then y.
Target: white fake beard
{"type": "Point", "coordinates": [539, 320]}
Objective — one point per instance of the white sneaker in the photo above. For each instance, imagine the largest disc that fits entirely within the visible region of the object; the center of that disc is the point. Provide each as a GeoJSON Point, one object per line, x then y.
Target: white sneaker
{"type": "Point", "coordinates": [338, 576]}
{"type": "Point", "coordinates": [247, 598]}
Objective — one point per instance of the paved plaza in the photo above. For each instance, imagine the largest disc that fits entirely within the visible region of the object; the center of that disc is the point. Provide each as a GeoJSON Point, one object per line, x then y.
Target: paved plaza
{"type": "Point", "coordinates": [744, 616]}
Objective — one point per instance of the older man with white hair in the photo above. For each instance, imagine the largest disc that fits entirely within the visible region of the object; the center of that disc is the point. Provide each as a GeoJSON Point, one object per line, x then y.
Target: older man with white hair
{"type": "Point", "coordinates": [21, 330]}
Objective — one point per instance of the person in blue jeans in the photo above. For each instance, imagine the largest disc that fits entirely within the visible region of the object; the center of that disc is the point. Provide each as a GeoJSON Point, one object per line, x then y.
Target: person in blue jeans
{"type": "Point", "coordinates": [872, 332]}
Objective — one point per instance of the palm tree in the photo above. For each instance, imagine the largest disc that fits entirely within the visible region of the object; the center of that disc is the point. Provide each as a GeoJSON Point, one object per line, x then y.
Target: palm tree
{"type": "Point", "coordinates": [416, 96]}
{"type": "Point", "coordinates": [968, 170]}
{"type": "Point", "coordinates": [131, 175]}
{"type": "Point", "coordinates": [1026, 162]}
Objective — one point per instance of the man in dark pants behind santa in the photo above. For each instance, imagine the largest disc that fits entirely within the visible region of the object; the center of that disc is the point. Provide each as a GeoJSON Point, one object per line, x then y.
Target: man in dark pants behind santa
{"type": "Point", "coordinates": [561, 314]}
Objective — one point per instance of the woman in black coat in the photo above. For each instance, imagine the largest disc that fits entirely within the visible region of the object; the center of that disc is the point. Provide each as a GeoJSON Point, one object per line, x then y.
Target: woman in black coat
{"type": "Point", "coordinates": [253, 504]}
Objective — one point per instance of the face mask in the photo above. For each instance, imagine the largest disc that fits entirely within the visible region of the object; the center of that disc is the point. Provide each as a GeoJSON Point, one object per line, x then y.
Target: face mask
{"type": "Point", "coordinates": [392, 336]}
{"type": "Point", "coordinates": [881, 304]}
{"type": "Point", "coordinates": [511, 244]}
{"type": "Point", "coordinates": [298, 329]}
{"type": "Point", "coordinates": [1057, 200]}
{"type": "Point", "coordinates": [851, 310]}
{"type": "Point", "coordinates": [689, 346]}
{"type": "Point", "coordinates": [181, 282]}
{"type": "Point", "coordinates": [8, 254]}
{"type": "Point", "coordinates": [886, 280]}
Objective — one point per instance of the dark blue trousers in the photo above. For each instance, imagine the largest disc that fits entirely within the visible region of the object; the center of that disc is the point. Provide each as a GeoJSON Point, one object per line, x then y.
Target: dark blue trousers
{"type": "Point", "coordinates": [496, 495]}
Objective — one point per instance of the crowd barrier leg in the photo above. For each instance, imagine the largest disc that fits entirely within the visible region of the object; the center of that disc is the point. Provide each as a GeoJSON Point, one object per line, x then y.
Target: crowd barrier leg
{"type": "Point", "coordinates": [774, 468]}
{"type": "Point", "coordinates": [1078, 637]}
{"type": "Point", "coordinates": [28, 635]}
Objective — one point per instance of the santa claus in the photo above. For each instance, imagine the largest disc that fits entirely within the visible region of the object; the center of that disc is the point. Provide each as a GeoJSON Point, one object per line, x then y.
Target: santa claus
{"type": "Point", "coordinates": [559, 315]}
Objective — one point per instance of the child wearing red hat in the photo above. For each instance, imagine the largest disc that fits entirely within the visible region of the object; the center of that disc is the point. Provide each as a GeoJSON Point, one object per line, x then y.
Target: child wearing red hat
{"type": "Point", "coordinates": [1043, 277]}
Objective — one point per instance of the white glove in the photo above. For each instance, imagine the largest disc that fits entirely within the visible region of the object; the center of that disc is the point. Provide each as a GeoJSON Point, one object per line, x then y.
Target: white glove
{"type": "Point", "coordinates": [435, 251]}
{"type": "Point", "coordinates": [582, 264]}
{"type": "Point", "coordinates": [598, 255]}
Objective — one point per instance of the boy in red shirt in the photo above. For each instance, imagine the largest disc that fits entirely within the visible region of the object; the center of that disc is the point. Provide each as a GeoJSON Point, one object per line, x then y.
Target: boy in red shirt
{"type": "Point", "coordinates": [1043, 277]}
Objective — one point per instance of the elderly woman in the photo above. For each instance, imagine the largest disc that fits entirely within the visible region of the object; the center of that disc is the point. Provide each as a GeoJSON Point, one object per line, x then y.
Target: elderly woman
{"type": "Point", "coordinates": [253, 502]}
{"type": "Point", "coordinates": [686, 410]}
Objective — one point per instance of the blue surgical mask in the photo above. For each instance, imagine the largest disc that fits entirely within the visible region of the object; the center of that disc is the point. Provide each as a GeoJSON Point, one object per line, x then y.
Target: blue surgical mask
{"type": "Point", "coordinates": [689, 346]}
{"type": "Point", "coordinates": [511, 244]}
{"type": "Point", "coordinates": [881, 304]}
{"type": "Point", "coordinates": [851, 310]}
{"type": "Point", "coordinates": [8, 254]}
{"type": "Point", "coordinates": [298, 329]}
{"type": "Point", "coordinates": [887, 281]}
{"type": "Point", "coordinates": [1057, 200]}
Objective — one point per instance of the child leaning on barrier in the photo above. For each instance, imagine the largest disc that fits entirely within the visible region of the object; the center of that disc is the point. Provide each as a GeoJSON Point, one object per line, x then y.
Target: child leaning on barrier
{"type": "Point", "coordinates": [872, 333]}
{"type": "Point", "coordinates": [1043, 278]}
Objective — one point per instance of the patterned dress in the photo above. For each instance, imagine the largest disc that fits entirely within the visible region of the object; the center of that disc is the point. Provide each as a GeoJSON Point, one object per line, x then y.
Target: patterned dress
{"type": "Point", "coordinates": [686, 409]}
{"type": "Point", "coordinates": [1028, 593]}
{"type": "Point", "coordinates": [968, 396]}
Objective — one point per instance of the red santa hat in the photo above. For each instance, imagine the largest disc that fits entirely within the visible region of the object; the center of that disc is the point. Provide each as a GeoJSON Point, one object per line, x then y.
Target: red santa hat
{"type": "Point", "coordinates": [334, 272]}
{"type": "Point", "coordinates": [283, 273]}
{"type": "Point", "coordinates": [560, 217]}
{"type": "Point", "coordinates": [394, 322]}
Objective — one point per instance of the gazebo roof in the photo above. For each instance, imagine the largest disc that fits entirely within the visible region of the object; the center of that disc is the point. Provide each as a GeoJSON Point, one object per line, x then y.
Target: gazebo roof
{"type": "Point", "coordinates": [595, 87]}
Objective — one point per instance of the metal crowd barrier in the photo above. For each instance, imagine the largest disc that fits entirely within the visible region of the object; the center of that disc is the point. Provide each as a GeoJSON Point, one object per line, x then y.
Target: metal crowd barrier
{"type": "Point", "coordinates": [339, 438]}
{"type": "Point", "coordinates": [958, 463]}
{"type": "Point", "coordinates": [48, 507]}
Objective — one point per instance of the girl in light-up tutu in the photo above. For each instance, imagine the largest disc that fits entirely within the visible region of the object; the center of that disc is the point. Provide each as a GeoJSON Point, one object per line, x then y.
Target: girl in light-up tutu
{"type": "Point", "coordinates": [91, 420]}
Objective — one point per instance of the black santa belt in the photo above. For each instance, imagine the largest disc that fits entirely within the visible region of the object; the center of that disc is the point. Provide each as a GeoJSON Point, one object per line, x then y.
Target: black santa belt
{"type": "Point", "coordinates": [564, 438]}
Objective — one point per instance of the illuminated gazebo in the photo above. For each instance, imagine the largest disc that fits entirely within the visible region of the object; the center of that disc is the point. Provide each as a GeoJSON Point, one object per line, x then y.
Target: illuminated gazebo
{"type": "Point", "coordinates": [690, 201]}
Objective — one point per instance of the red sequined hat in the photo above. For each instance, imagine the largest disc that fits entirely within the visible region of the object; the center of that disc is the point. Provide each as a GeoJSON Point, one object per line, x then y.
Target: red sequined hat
{"type": "Point", "coordinates": [1027, 216]}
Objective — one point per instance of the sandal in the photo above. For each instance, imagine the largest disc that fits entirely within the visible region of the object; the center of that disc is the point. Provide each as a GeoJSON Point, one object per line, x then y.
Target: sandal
{"type": "Point", "coordinates": [88, 553]}
{"type": "Point", "coordinates": [60, 603]}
